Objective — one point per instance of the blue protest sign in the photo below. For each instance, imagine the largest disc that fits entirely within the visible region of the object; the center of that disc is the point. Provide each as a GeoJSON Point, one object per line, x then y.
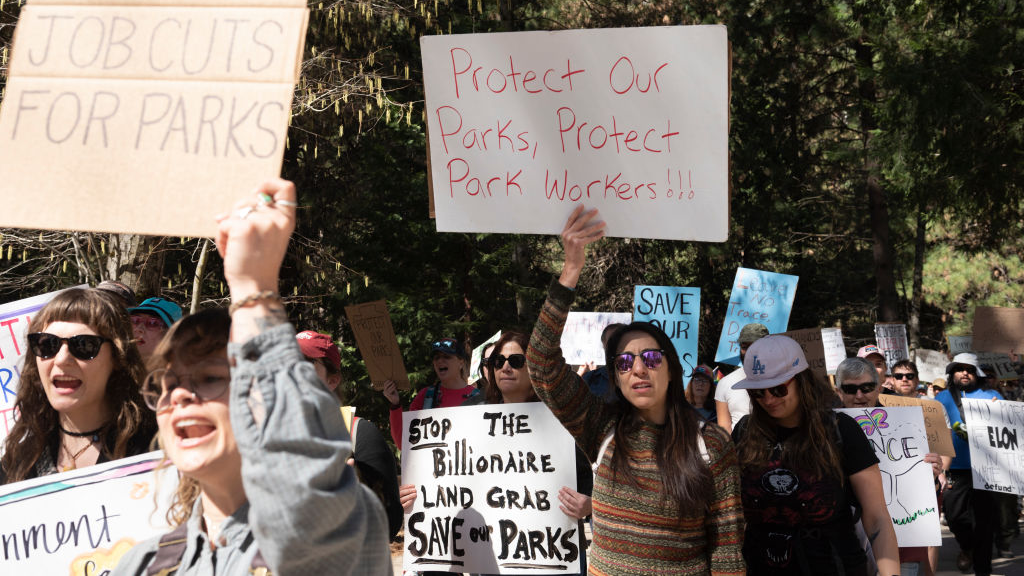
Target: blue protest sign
{"type": "Point", "coordinates": [757, 297]}
{"type": "Point", "coordinates": [675, 310]}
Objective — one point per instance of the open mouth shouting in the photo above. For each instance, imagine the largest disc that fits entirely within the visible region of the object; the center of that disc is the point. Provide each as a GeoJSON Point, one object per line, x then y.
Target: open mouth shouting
{"type": "Point", "coordinates": [191, 431]}
{"type": "Point", "coordinates": [65, 385]}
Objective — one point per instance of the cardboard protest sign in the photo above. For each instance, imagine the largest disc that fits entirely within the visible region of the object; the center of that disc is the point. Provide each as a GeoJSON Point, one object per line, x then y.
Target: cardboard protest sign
{"type": "Point", "coordinates": [999, 329]}
{"type": "Point", "coordinates": [14, 320]}
{"type": "Point", "coordinates": [936, 421]}
{"type": "Point", "coordinates": [1003, 367]}
{"type": "Point", "coordinates": [835, 350]}
{"type": "Point", "coordinates": [81, 522]}
{"type": "Point", "coordinates": [994, 432]}
{"type": "Point", "coordinates": [677, 312]}
{"type": "Point", "coordinates": [891, 338]}
{"type": "Point", "coordinates": [151, 106]}
{"type": "Point", "coordinates": [581, 338]}
{"type": "Point", "coordinates": [477, 357]}
{"type": "Point", "coordinates": [898, 437]}
{"type": "Point", "coordinates": [633, 121]}
{"type": "Point", "coordinates": [814, 350]}
{"type": "Point", "coordinates": [376, 340]}
{"type": "Point", "coordinates": [958, 344]}
{"type": "Point", "coordinates": [931, 364]}
{"type": "Point", "coordinates": [487, 481]}
{"type": "Point", "coordinates": [758, 297]}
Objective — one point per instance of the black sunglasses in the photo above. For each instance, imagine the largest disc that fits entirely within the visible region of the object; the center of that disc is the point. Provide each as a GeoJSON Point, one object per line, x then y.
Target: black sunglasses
{"type": "Point", "coordinates": [651, 358]}
{"type": "Point", "coordinates": [905, 376]}
{"type": "Point", "coordinates": [84, 346]}
{"type": "Point", "coordinates": [779, 391]}
{"type": "Point", "coordinates": [516, 361]}
{"type": "Point", "coordinates": [865, 388]}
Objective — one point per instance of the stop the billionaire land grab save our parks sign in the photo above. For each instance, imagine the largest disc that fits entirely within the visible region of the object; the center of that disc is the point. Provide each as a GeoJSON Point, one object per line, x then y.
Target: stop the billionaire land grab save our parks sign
{"type": "Point", "coordinates": [523, 126]}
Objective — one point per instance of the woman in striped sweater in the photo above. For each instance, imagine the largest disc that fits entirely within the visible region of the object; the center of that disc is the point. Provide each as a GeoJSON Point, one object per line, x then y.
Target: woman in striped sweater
{"type": "Point", "coordinates": [666, 491]}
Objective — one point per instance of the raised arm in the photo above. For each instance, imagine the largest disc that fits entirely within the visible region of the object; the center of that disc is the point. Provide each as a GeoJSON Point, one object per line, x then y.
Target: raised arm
{"type": "Point", "coordinates": [309, 513]}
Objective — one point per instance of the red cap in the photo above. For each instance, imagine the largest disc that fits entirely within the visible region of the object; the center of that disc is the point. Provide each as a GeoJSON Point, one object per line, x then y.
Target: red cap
{"type": "Point", "coordinates": [317, 345]}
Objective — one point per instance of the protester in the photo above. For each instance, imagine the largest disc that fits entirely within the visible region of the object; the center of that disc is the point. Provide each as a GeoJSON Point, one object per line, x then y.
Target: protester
{"type": "Point", "coordinates": [373, 459]}
{"type": "Point", "coordinates": [451, 365]}
{"type": "Point", "coordinates": [905, 377]}
{"type": "Point", "coordinates": [937, 385]}
{"type": "Point", "coordinates": [970, 513]}
{"type": "Point", "coordinates": [700, 393]}
{"type": "Point", "coordinates": [485, 368]}
{"type": "Point", "coordinates": [872, 353]}
{"type": "Point", "coordinates": [78, 399]}
{"type": "Point", "coordinates": [121, 290]}
{"type": "Point", "coordinates": [732, 404]}
{"type": "Point", "coordinates": [858, 387]}
{"type": "Point", "coordinates": [151, 320]}
{"type": "Point", "coordinates": [257, 438]}
{"type": "Point", "coordinates": [666, 490]}
{"type": "Point", "coordinates": [801, 463]}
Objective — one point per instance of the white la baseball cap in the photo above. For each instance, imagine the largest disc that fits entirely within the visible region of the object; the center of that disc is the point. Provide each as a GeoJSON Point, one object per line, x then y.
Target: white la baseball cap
{"type": "Point", "coordinates": [771, 361]}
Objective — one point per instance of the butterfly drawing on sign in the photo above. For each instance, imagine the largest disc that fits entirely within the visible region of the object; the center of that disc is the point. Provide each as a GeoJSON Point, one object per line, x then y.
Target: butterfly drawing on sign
{"type": "Point", "coordinates": [873, 421]}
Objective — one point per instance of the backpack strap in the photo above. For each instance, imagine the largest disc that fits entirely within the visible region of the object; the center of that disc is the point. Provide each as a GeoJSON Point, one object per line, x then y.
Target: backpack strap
{"type": "Point", "coordinates": [432, 394]}
{"type": "Point", "coordinates": [169, 551]}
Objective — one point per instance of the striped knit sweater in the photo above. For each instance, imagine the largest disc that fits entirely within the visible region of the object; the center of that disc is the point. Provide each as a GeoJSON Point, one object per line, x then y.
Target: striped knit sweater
{"type": "Point", "coordinates": [636, 529]}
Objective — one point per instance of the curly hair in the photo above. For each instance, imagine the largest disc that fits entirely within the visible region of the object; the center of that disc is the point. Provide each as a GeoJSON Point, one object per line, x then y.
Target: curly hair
{"type": "Point", "coordinates": [805, 449]}
{"type": "Point", "coordinates": [687, 477]}
{"type": "Point", "coordinates": [38, 423]}
{"type": "Point", "coordinates": [193, 338]}
{"type": "Point", "coordinates": [493, 393]}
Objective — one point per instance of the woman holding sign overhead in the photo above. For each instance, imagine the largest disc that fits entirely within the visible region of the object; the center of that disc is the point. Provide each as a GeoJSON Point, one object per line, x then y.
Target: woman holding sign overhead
{"type": "Point", "coordinates": [78, 400]}
{"type": "Point", "coordinates": [666, 488]}
{"type": "Point", "coordinates": [256, 436]}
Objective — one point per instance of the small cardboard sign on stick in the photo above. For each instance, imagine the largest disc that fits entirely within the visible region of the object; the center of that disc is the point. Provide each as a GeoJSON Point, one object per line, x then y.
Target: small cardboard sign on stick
{"type": "Point", "coordinates": [117, 117]}
{"type": "Point", "coordinates": [999, 329]}
{"type": "Point", "coordinates": [940, 439]}
{"type": "Point", "coordinates": [376, 340]}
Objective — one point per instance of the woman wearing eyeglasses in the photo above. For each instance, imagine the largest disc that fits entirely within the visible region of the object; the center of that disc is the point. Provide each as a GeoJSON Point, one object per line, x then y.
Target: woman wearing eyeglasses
{"type": "Point", "coordinates": [256, 436]}
{"type": "Point", "coordinates": [803, 466]}
{"type": "Point", "coordinates": [666, 487]}
{"type": "Point", "coordinates": [78, 399]}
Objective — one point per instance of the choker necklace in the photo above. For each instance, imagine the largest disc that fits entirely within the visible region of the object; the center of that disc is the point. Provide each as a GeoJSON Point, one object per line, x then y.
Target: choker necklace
{"type": "Point", "coordinates": [94, 435]}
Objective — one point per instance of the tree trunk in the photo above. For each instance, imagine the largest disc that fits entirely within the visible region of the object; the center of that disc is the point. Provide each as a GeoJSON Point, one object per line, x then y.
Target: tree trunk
{"type": "Point", "coordinates": [917, 298]}
{"type": "Point", "coordinates": [137, 261]}
{"type": "Point", "coordinates": [888, 301]}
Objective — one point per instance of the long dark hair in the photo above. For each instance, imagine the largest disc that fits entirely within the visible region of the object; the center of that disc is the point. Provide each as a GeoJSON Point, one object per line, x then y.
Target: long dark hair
{"type": "Point", "coordinates": [38, 423]}
{"type": "Point", "coordinates": [686, 476]}
{"type": "Point", "coordinates": [190, 340]}
{"type": "Point", "coordinates": [812, 447]}
{"type": "Point", "coordinates": [493, 393]}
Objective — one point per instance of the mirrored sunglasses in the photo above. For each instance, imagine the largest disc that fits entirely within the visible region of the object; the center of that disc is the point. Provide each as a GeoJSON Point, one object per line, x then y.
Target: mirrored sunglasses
{"type": "Point", "coordinates": [651, 358]}
{"type": "Point", "coordinates": [84, 346]}
{"type": "Point", "coordinates": [147, 322]}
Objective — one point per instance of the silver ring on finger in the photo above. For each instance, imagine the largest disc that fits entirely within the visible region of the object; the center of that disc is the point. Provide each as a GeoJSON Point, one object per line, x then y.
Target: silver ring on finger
{"type": "Point", "coordinates": [243, 213]}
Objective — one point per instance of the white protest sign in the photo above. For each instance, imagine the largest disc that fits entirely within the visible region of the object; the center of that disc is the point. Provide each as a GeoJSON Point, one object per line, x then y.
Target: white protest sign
{"type": "Point", "coordinates": [897, 435]}
{"type": "Point", "coordinates": [81, 522]}
{"type": "Point", "coordinates": [524, 125]}
{"type": "Point", "coordinates": [958, 344]}
{"type": "Point", "coordinates": [581, 338]}
{"type": "Point", "coordinates": [835, 350]}
{"type": "Point", "coordinates": [14, 320]}
{"type": "Point", "coordinates": [892, 340]}
{"type": "Point", "coordinates": [931, 364]}
{"type": "Point", "coordinates": [152, 106]}
{"type": "Point", "coordinates": [487, 481]}
{"type": "Point", "coordinates": [1001, 364]}
{"type": "Point", "coordinates": [476, 359]}
{"type": "Point", "coordinates": [993, 431]}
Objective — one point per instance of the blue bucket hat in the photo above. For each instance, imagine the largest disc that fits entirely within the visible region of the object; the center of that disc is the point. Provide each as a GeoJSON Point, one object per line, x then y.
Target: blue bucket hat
{"type": "Point", "coordinates": [165, 310]}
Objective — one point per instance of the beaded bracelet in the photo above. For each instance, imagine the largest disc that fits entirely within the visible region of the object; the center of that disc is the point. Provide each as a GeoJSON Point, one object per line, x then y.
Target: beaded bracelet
{"type": "Point", "coordinates": [252, 299]}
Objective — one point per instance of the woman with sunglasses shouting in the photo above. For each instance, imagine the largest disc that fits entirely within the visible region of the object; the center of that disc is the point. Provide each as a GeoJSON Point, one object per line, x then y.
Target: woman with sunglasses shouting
{"type": "Point", "coordinates": [254, 433]}
{"type": "Point", "coordinates": [666, 487]}
{"type": "Point", "coordinates": [78, 400]}
{"type": "Point", "coordinates": [805, 469]}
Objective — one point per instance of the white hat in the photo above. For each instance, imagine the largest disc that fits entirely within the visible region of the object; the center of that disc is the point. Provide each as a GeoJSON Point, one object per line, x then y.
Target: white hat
{"type": "Point", "coordinates": [968, 359]}
{"type": "Point", "coordinates": [771, 361]}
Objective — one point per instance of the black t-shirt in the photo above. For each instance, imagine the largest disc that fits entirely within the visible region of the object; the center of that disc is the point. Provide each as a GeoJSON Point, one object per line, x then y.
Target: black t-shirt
{"type": "Point", "coordinates": [798, 524]}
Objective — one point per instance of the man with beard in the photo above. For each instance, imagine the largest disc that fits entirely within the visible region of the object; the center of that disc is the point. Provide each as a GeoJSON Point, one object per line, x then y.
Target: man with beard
{"type": "Point", "coordinates": [970, 513]}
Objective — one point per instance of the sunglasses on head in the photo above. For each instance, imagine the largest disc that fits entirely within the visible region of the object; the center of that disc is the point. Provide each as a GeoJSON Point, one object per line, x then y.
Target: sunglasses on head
{"type": "Point", "coordinates": [865, 388]}
{"type": "Point", "coordinates": [651, 358]}
{"type": "Point", "coordinates": [779, 391]}
{"type": "Point", "coordinates": [516, 361]}
{"type": "Point", "coordinates": [447, 345]}
{"type": "Point", "coordinates": [905, 376]}
{"type": "Point", "coordinates": [83, 346]}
